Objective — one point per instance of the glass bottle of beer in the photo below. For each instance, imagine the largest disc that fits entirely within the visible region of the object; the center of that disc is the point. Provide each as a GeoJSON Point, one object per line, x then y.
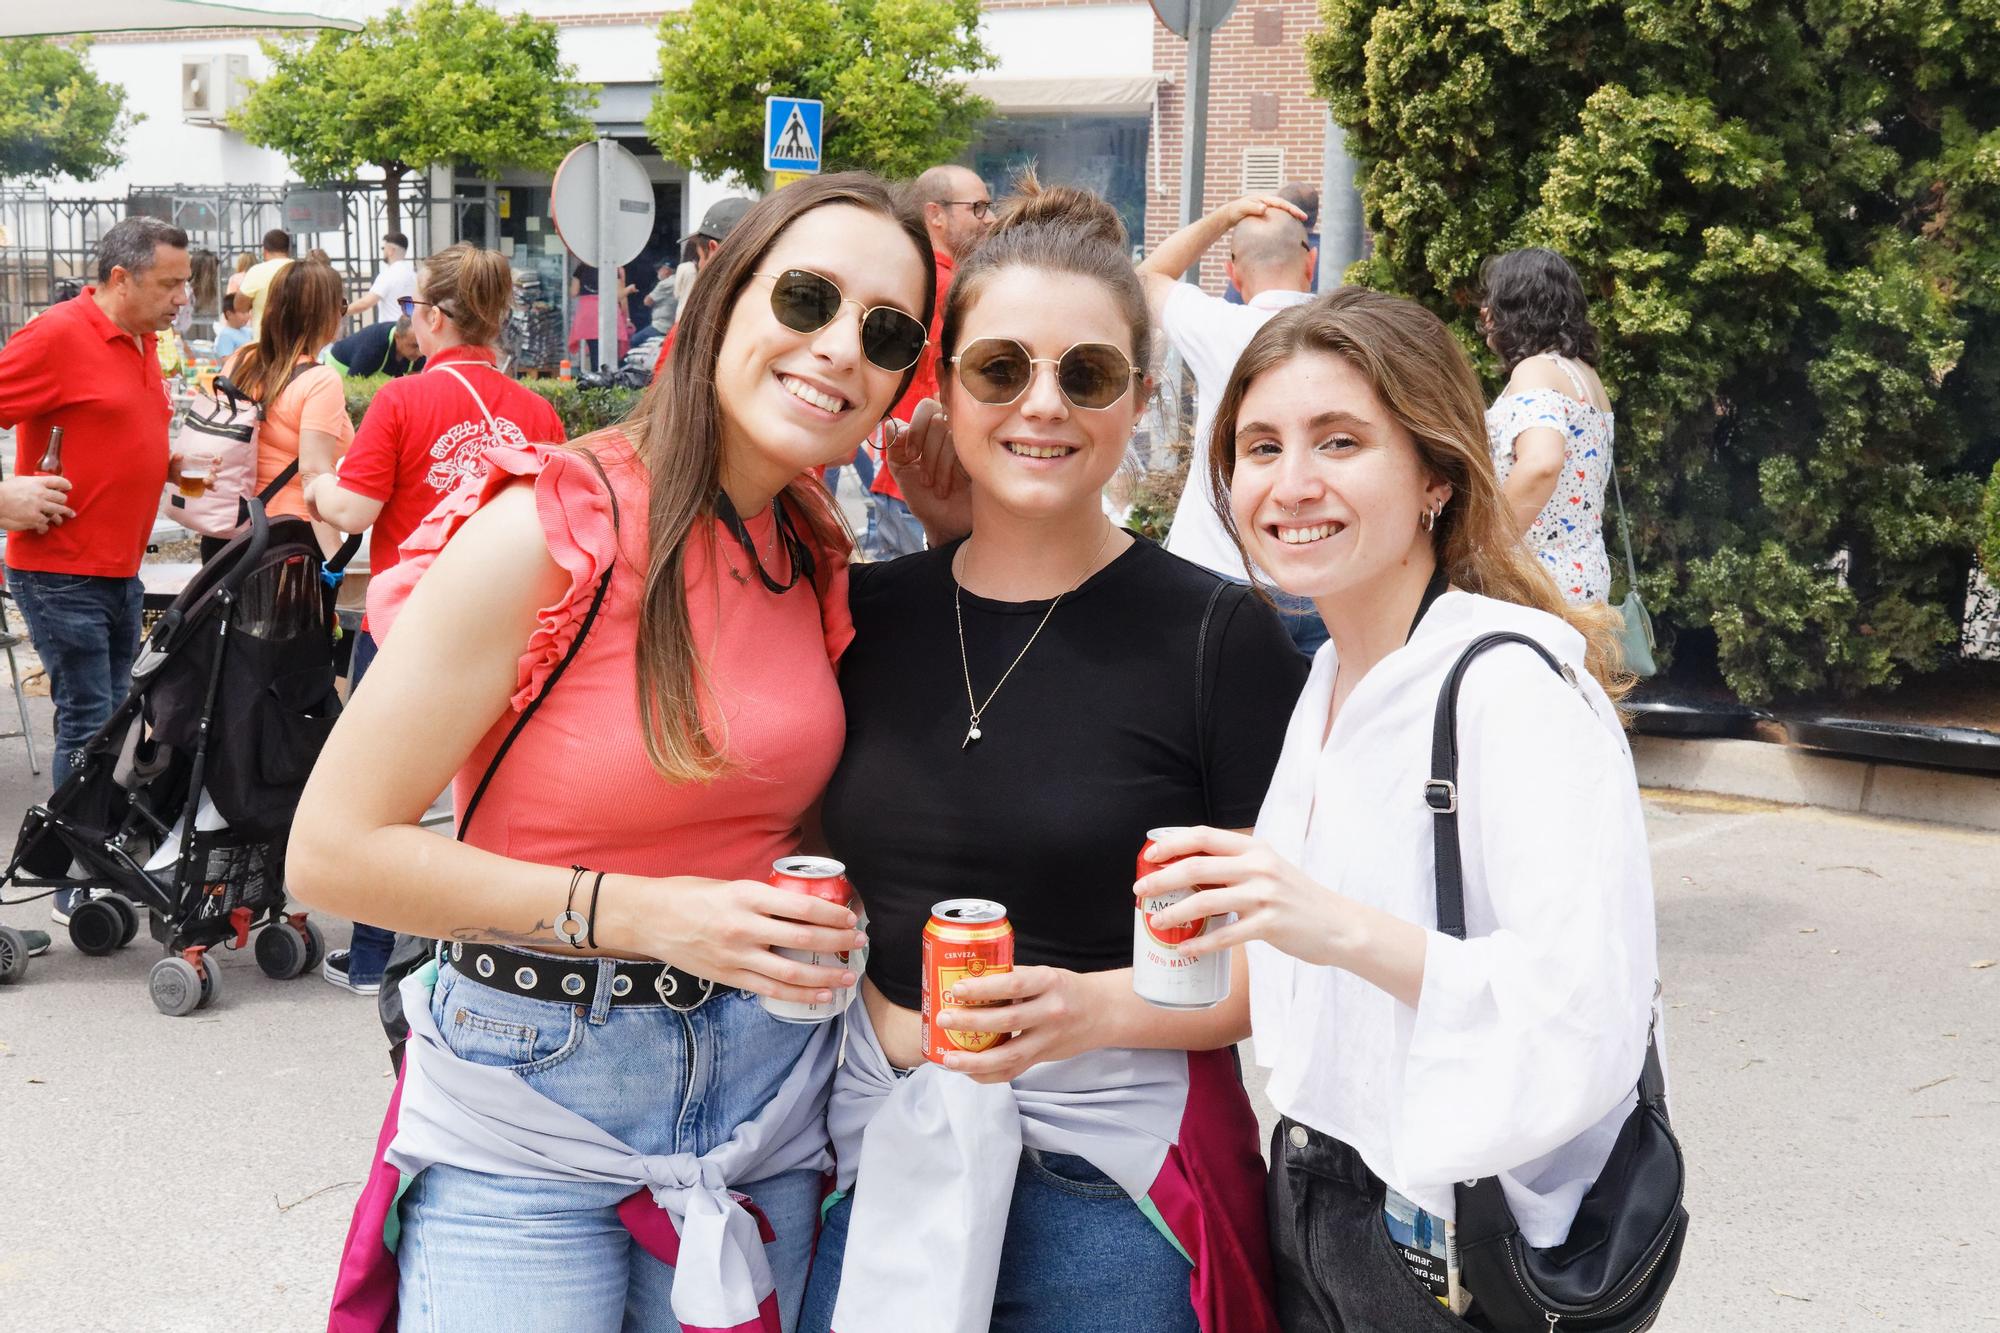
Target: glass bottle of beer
{"type": "Point", "coordinates": [51, 464]}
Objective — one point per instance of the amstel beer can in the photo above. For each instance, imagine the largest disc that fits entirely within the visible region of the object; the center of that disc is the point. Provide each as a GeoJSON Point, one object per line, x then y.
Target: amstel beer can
{"type": "Point", "coordinates": [965, 937]}
{"type": "Point", "coordinates": [1161, 973]}
{"type": "Point", "coordinates": [822, 877]}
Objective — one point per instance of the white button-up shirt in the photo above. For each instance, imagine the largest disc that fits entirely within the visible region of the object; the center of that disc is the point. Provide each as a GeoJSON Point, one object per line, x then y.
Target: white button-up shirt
{"type": "Point", "coordinates": [1521, 1057]}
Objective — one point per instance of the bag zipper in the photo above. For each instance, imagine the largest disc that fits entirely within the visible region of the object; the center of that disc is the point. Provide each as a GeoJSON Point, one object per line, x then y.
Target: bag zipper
{"type": "Point", "coordinates": [1610, 1307]}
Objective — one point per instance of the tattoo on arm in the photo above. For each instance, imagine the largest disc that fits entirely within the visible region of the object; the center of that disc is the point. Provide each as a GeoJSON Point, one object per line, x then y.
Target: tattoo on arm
{"type": "Point", "coordinates": [540, 935]}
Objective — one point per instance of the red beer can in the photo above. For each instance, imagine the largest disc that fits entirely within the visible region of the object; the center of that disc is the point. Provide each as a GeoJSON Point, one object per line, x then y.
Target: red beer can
{"type": "Point", "coordinates": [1161, 974]}
{"type": "Point", "coordinates": [822, 877]}
{"type": "Point", "coordinates": [965, 937]}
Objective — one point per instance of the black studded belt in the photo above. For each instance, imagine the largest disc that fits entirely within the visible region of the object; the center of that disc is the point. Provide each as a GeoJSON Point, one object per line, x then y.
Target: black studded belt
{"type": "Point", "coordinates": [574, 981]}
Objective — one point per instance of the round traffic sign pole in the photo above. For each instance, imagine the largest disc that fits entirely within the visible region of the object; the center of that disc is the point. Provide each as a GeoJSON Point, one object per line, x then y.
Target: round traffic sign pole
{"type": "Point", "coordinates": [602, 208]}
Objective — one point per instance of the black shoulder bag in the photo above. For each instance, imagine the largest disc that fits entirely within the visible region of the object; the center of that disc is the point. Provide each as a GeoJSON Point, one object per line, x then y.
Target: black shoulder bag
{"type": "Point", "coordinates": [1612, 1273]}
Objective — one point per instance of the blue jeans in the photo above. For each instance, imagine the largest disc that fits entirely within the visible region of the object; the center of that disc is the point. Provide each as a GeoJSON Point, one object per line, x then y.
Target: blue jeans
{"type": "Point", "coordinates": [368, 950]}
{"type": "Point", "coordinates": [864, 468]}
{"type": "Point", "coordinates": [85, 628]}
{"type": "Point", "coordinates": [1078, 1254]}
{"type": "Point", "coordinates": [1301, 619]}
{"type": "Point", "coordinates": [486, 1253]}
{"type": "Point", "coordinates": [896, 530]}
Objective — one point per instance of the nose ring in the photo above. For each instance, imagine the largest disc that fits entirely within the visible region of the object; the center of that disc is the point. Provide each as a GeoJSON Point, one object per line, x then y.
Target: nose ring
{"type": "Point", "coordinates": [1293, 510]}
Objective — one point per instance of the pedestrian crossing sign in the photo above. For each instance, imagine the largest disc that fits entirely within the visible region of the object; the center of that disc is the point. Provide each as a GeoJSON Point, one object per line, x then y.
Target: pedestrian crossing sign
{"type": "Point", "coordinates": [792, 133]}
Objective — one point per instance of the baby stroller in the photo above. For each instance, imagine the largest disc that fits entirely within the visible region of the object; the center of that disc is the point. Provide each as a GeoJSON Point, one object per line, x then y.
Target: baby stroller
{"type": "Point", "coordinates": [182, 803]}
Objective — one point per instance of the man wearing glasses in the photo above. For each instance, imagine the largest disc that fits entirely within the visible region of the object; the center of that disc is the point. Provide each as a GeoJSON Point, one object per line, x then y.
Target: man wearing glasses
{"type": "Point", "coordinates": [958, 212]}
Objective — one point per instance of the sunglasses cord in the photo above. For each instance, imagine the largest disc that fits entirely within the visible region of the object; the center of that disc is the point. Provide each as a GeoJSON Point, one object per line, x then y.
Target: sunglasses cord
{"type": "Point", "coordinates": [797, 553]}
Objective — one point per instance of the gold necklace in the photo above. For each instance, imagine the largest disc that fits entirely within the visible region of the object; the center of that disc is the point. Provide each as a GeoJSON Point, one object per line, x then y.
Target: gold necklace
{"type": "Point", "coordinates": [973, 707]}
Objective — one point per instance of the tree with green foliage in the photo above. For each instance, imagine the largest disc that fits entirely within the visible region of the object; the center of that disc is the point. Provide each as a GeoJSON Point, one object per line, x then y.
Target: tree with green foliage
{"type": "Point", "coordinates": [57, 118]}
{"type": "Point", "coordinates": [443, 81]}
{"type": "Point", "coordinates": [1788, 215]}
{"type": "Point", "coordinates": [890, 72]}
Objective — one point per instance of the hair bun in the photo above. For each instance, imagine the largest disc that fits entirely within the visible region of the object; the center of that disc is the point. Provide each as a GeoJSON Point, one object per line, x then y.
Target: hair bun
{"type": "Point", "coordinates": [1033, 204]}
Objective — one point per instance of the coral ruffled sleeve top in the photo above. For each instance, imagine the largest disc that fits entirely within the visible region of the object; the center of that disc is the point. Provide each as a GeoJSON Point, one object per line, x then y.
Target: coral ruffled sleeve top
{"type": "Point", "coordinates": [577, 785]}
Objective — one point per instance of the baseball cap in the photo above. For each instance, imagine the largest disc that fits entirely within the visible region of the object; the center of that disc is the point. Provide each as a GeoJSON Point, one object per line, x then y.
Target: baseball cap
{"type": "Point", "coordinates": [722, 217]}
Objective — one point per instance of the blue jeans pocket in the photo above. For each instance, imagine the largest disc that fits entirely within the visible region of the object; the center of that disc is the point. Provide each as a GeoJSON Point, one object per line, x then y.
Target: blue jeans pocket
{"type": "Point", "coordinates": [1072, 1175]}
{"type": "Point", "coordinates": [489, 1027]}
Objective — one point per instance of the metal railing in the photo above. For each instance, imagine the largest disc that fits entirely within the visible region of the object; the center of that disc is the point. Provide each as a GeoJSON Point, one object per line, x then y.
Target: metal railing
{"type": "Point", "coordinates": [48, 244]}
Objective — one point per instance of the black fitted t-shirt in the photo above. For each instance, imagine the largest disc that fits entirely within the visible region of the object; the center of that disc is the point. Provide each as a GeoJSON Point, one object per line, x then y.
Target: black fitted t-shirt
{"type": "Point", "coordinates": [1092, 741]}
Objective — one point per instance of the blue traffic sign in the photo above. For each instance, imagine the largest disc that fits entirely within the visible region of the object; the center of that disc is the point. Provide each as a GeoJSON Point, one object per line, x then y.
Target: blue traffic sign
{"type": "Point", "coordinates": [792, 133]}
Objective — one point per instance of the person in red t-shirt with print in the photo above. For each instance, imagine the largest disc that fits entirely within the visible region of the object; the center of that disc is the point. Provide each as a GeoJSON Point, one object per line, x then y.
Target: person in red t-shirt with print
{"type": "Point", "coordinates": [88, 365]}
{"type": "Point", "coordinates": [423, 434]}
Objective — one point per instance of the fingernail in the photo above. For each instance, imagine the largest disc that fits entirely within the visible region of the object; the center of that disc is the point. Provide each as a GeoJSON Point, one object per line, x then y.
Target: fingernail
{"type": "Point", "coordinates": [846, 979]}
{"type": "Point", "coordinates": [824, 997]}
{"type": "Point", "coordinates": [860, 940]}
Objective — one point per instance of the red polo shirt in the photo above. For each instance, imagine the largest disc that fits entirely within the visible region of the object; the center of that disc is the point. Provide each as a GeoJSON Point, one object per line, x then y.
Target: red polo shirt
{"type": "Point", "coordinates": [72, 367]}
{"type": "Point", "coordinates": [924, 384]}
{"type": "Point", "coordinates": [423, 434]}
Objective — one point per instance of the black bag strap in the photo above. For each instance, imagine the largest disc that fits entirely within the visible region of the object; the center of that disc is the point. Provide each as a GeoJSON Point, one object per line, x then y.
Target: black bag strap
{"type": "Point", "coordinates": [1201, 697]}
{"type": "Point", "coordinates": [278, 483]}
{"type": "Point", "coordinates": [1441, 795]}
{"type": "Point", "coordinates": [514, 732]}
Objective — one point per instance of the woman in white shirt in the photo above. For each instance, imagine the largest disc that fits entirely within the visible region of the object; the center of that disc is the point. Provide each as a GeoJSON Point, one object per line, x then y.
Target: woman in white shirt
{"type": "Point", "coordinates": [1351, 444]}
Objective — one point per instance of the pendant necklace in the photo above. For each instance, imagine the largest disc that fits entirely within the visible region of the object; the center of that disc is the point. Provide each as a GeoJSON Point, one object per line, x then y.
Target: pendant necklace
{"type": "Point", "coordinates": [973, 706]}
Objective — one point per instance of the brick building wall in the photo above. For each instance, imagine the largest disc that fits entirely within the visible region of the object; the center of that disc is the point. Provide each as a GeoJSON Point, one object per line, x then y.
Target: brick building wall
{"type": "Point", "coordinates": [1259, 97]}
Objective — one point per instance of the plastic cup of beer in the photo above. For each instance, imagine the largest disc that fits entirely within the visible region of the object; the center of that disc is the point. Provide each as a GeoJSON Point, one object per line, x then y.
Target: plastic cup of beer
{"type": "Point", "coordinates": [196, 469]}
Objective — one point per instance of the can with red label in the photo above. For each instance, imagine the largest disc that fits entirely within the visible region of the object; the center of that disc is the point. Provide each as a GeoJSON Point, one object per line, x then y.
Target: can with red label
{"type": "Point", "coordinates": [1163, 975]}
{"type": "Point", "coordinates": [822, 877]}
{"type": "Point", "coordinates": [965, 937]}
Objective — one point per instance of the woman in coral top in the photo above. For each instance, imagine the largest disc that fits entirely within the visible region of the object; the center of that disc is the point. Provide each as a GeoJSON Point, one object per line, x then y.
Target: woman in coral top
{"type": "Point", "coordinates": [306, 427]}
{"type": "Point", "coordinates": [625, 658]}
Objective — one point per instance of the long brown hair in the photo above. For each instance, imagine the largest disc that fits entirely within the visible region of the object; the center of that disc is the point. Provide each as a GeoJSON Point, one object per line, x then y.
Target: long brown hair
{"type": "Point", "coordinates": [471, 287]}
{"type": "Point", "coordinates": [1057, 229]}
{"type": "Point", "coordinates": [676, 431]}
{"type": "Point", "coordinates": [1421, 374]}
{"type": "Point", "coordinates": [301, 315]}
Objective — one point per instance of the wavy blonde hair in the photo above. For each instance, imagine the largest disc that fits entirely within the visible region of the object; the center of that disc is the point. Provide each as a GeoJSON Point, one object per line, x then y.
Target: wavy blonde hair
{"type": "Point", "coordinates": [1422, 376]}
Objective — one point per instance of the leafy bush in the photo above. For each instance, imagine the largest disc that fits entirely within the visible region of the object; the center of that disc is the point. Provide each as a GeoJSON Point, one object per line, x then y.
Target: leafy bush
{"type": "Point", "coordinates": [1788, 215]}
{"type": "Point", "coordinates": [582, 410]}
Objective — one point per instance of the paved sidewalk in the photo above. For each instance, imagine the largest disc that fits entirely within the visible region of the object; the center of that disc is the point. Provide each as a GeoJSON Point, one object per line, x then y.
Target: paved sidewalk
{"type": "Point", "coordinates": [1835, 1063]}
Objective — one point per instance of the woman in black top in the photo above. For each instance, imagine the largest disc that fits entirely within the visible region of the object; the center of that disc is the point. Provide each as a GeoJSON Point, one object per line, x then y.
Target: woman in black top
{"type": "Point", "coordinates": [1022, 706]}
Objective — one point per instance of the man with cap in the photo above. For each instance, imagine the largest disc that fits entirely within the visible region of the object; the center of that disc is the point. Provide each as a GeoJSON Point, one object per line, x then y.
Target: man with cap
{"type": "Point", "coordinates": [958, 212]}
{"type": "Point", "coordinates": [716, 224]}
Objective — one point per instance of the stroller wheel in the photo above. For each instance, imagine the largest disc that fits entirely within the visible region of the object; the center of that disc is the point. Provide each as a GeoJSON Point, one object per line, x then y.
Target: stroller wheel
{"type": "Point", "coordinates": [13, 955]}
{"type": "Point", "coordinates": [281, 951]}
{"type": "Point", "coordinates": [96, 927]}
{"type": "Point", "coordinates": [175, 986]}
{"type": "Point", "coordinates": [211, 979]}
{"type": "Point", "coordinates": [130, 915]}
{"type": "Point", "coordinates": [315, 945]}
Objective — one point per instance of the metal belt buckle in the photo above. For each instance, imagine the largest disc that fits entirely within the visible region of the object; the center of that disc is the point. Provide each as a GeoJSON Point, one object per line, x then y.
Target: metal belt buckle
{"type": "Point", "coordinates": [682, 992]}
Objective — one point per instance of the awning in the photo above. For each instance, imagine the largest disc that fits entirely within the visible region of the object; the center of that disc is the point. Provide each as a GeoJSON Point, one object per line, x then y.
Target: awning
{"type": "Point", "coordinates": [21, 18]}
{"type": "Point", "coordinates": [1108, 95]}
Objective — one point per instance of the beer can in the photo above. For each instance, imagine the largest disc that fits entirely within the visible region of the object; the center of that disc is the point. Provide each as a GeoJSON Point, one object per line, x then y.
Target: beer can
{"type": "Point", "coordinates": [1162, 974]}
{"type": "Point", "coordinates": [965, 937]}
{"type": "Point", "coordinates": [822, 877]}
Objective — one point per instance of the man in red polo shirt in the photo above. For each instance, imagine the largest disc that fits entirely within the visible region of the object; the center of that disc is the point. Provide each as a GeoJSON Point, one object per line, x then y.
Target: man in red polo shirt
{"type": "Point", "coordinates": [958, 212]}
{"type": "Point", "coordinates": [88, 366]}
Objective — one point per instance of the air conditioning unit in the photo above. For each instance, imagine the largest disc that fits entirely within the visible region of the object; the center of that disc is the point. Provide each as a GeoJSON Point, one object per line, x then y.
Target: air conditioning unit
{"type": "Point", "coordinates": [212, 87]}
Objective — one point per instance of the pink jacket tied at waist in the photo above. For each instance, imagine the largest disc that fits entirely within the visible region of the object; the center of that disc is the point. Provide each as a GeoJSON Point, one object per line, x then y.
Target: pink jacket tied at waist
{"type": "Point", "coordinates": [940, 1152]}
{"type": "Point", "coordinates": [452, 1112]}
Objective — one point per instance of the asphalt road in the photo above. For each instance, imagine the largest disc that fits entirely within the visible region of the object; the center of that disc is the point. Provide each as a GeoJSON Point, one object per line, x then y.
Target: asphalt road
{"type": "Point", "coordinates": [1834, 1055]}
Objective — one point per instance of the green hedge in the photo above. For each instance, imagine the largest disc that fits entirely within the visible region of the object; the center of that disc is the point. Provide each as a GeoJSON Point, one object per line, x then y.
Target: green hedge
{"type": "Point", "coordinates": [582, 410]}
{"type": "Point", "coordinates": [1788, 215]}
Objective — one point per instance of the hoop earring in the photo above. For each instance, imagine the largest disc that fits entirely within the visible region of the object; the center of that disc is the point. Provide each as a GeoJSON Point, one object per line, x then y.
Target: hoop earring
{"type": "Point", "coordinates": [1428, 519]}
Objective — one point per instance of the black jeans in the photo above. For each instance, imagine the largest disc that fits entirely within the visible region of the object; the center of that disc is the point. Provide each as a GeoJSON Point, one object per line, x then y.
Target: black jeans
{"type": "Point", "coordinates": [1337, 1270]}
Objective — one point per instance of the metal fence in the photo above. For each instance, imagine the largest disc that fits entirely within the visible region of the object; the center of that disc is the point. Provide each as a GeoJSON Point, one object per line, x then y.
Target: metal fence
{"type": "Point", "coordinates": [48, 245]}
